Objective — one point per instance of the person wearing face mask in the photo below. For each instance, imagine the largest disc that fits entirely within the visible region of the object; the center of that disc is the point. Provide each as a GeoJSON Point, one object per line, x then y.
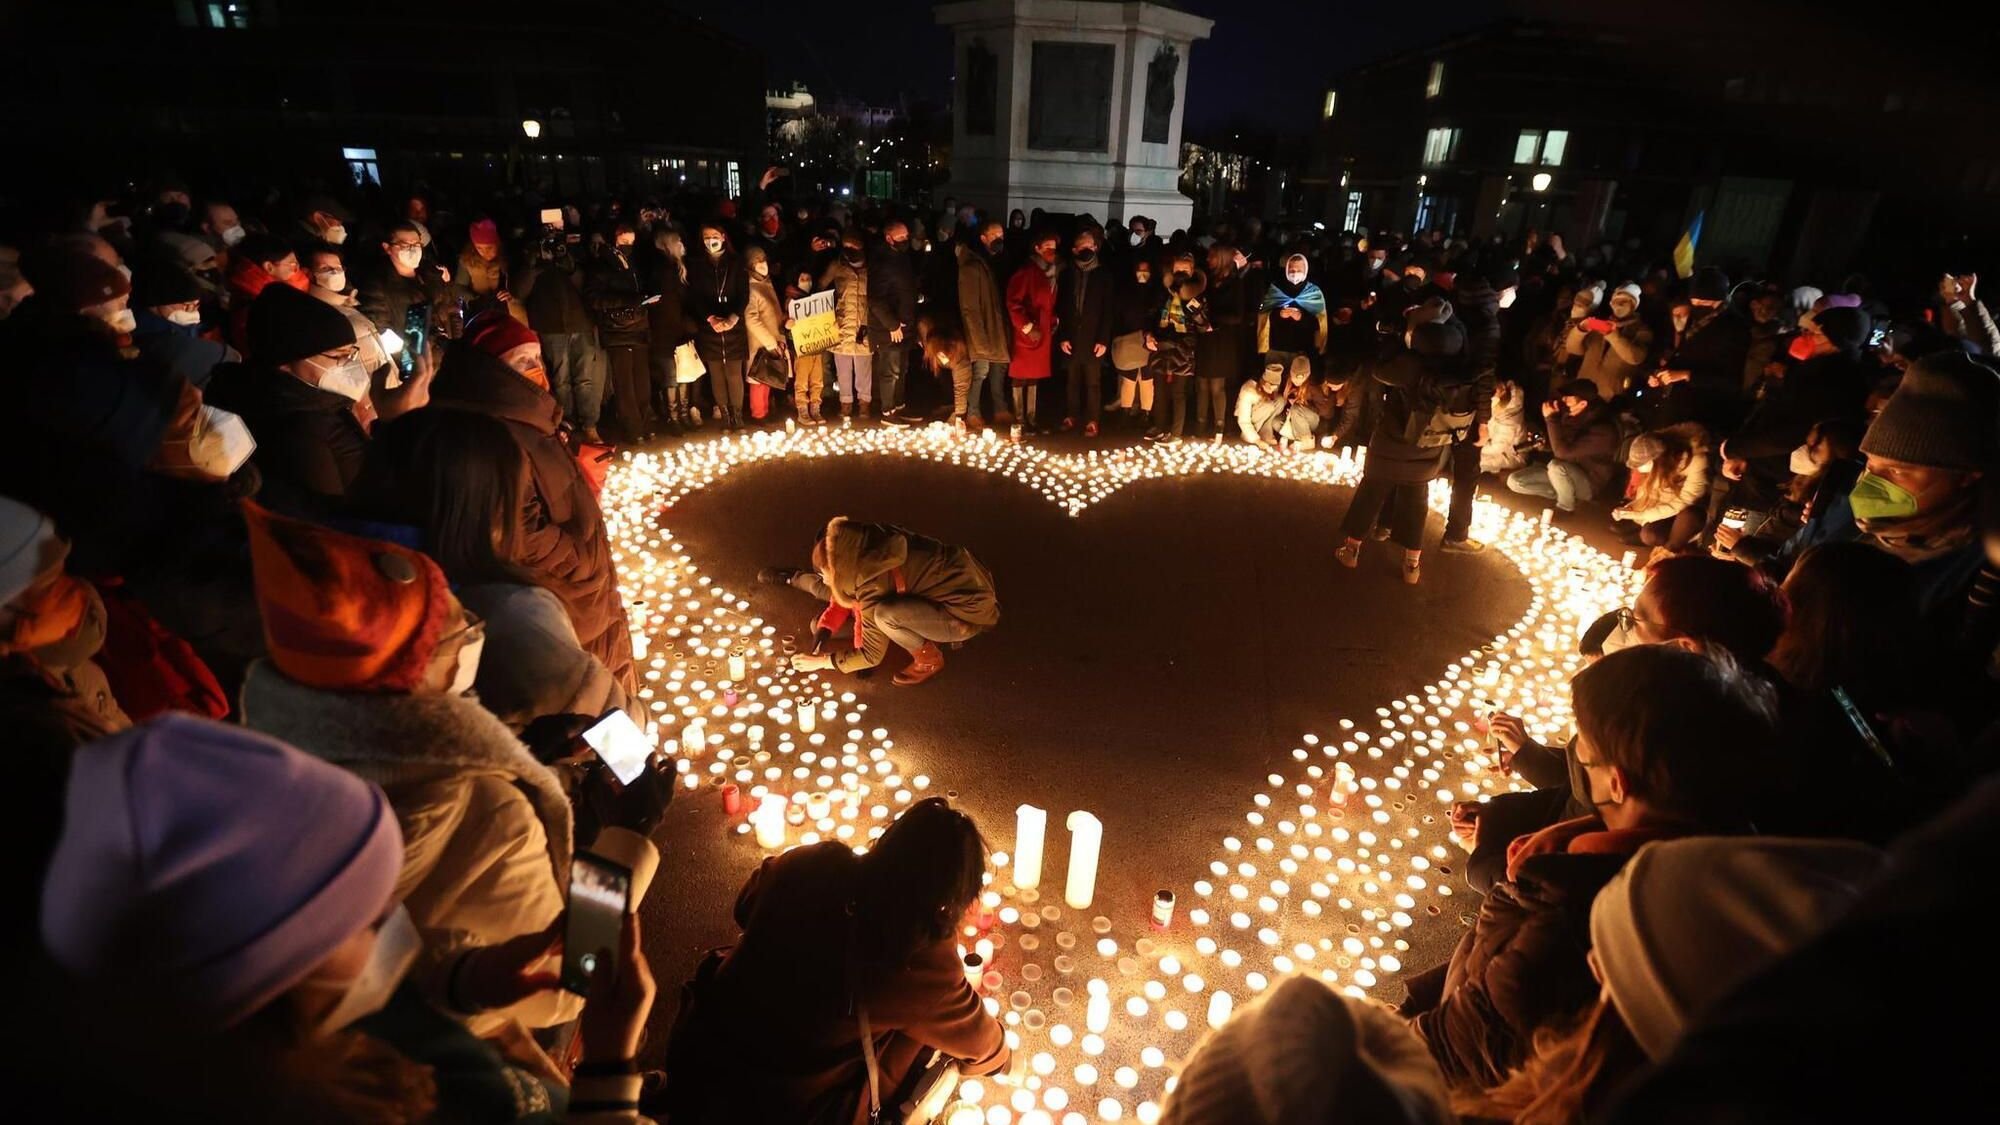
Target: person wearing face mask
{"type": "Point", "coordinates": [1224, 357]}
{"type": "Point", "coordinates": [853, 356]}
{"type": "Point", "coordinates": [1583, 443]}
{"type": "Point", "coordinates": [1134, 312]}
{"type": "Point", "coordinates": [1702, 377]}
{"type": "Point", "coordinates": [220, 226]}
{"type": "Point", "coordinates": [764, 319]}
{"type": "Point", "coordinates": [262, 937]}
{"type": "Point", "coordinates": [53, 696]}
{"type": "Point", "coordinates": [1293, 320]}
{"type": "Point", "coordinates": [330, 285]}
{"type": "Point", "coordinates": [984, 316]}
{"type": "Point", "coordinates": [892, 316]}
{"type": "Point", "coordinates": [1670, 743]}
{"type": "Point", "coordinates": [1031, 310]}
{"type": "Point", "coordinates": [298, 394]}
{"type": "Point", "coordinates": [1178, 322]}
{"type": "Point", "coordinates": [718, 291]}
{"type": "Point", "coordinates": [322, 222]}
{"type": "Point", "coordinates": [1083, 330]}
{"type": "Point", "coordinates": [1260, 407]}
{"type": "Point", "coordinates": [258, 262]}
{"type": "Point", "coordinates": [1663, 507]}
{"type": "Point", "coordinates": [167, 323]}
{"type": "Point", "coordinates": [1824, 468]}
{"type": "Point", "coordinates": [1611, 351]}
{"type": "Point", "coordinates": [402, 281]}
{"type": "Point", "coordinates": [1145, 242]}
{"type": "Point", "coordinates": [616, 297]}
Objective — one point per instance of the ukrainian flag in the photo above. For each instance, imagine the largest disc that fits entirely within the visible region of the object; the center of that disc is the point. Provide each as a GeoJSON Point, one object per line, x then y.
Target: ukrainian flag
{"type": "Point", "coordinates": [1684, 249]}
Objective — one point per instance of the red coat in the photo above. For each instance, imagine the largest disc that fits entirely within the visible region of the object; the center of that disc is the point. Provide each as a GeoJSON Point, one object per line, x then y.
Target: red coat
{"type": "Point", "coordinates": [1031, 300]}
{"type": "Point", "coordinates": [246, 279]}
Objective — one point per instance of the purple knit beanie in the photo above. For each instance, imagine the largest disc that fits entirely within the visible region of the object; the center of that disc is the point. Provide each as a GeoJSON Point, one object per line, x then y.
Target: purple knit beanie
{"type": "Point", "coordinates": [214, 865]}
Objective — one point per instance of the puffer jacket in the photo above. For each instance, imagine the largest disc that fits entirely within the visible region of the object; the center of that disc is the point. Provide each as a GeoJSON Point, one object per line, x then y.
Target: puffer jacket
{"type": "Point", "coordinates": [873, 562]}
{"type": "Point", "coordinates": [1667, 491]}
{"type": "Point", "coordinates": [850, 306]}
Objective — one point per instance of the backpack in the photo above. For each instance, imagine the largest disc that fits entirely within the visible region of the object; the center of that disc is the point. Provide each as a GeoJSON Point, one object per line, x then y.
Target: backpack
{"type": "Point", "coordinates": [1453, 405]}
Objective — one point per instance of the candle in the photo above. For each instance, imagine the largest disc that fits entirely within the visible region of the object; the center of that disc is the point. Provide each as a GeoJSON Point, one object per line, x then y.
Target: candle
{"type": "Point", "coordinates": [738, 667]}
{"type": "Point", "coordinates": [1163, 909]}
{"type": "Point", "coordinates": [808, 718]}
{"type": "Point", "coordinates": [1030, 828]}
{"type": "Point", "coordinates": [1086, 835]}
{"type": "Point", "coordinates": [769, 821]}
{"type": "Point", "coordinates": [1218, 1008]}
{"type": "Point", "coordinates": [975, 967]}
{"type": "Point", "coordinates": [732, 798]}
{"type": "Point", "coordinates": [694, 736]}
{"type": "Point", "coordinates": [1097, 1015]}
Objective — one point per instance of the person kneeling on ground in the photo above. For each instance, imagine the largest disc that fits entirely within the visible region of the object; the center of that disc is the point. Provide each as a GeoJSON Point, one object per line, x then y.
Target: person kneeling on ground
{"type": "Point", "coordinates": [897, 586]}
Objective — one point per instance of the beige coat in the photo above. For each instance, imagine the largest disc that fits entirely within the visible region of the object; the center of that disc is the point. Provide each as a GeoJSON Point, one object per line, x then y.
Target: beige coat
{"type": "Point", "coordinates": [763, 317]}
{"type": "Point", "coordinates": [850, 306]}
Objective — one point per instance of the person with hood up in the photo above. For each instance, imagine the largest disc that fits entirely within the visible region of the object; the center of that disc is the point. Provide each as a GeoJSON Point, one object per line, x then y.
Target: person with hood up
{"type": "Point", "coordinates": [1083, 329]}
{"type": "Point", "coordinates": [1181, 320]}
{"type": "Point", "coordinates": [853, 358]}
{"type": "Point", "coordinates": [1505, 430]}
{"type": "Point", "coordinates": [53, 696]}
{"type": "Point", "coordinates": [1293, 318]}
{"type": "Point", "coordinates": [1583, 438]}
{"type": "Point", "coordinates": [370, 661]}
{"type": "Point", "coordinates": [1427, 401]}
{"type": "Point", "coordinates": [983, 313]}
{"type": "Point", "coordinates": [533, 513]}
{"type": "Point", "coordinates": [1612, 350]}
{"type": "Point", "coordinates": [1664, 508]}
{"type": "Point", "coordinates": [256, 263]}
{"type": "Point", "coordinates": [718, 290]}
{"type": "Point", "coordinates": [1031, 309]}
{"type": "Point", "coordinates": [894, 585]}
{"type": "Point", "coordinates": [1309, 404]}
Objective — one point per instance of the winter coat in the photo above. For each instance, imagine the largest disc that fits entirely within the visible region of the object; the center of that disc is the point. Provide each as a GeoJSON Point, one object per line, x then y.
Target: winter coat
{"type": "Point", "coordinates": [184, 350]}
{"type": "Point", "coordinates": [718, 287]}
{"type": "Point", "coordinates": [980, 310]}
{"type": "Point", "coordinates": [850, 306]}
{"type": "Point", "coordinates": [1083, 307]}
{"type": "Point", "coordinates": [552, 294]}
{"type": "Point", "coordinates": [870, 563]}
{"type": "Point", "coordinates": [764, 317]}
{"type": "Point", "coordinates": [1522, 967]}
{"type": "Point", "coordinates": [892, 293]}
{"type": "Point", "coordinates": [532, 664]}
{"type": "Point", "coordinates": [486, 828]}
{"type": "Point", "coordinates": [1178, 323]}
{"type": "Point", "coordinates": [1255, 411]}
{"type": "Point", "coordinates": [310, 446]}
{"type": "Point", "coordinates": [774, 1035]}
{"type": "Point", "coordinates": [1031, 304]}
{"type": "Point", "coordinates": [1672, 488]}
{"type": "Point", "coordinates": [1412, 381]}
{"type": "Point", "coordinates": [1589, 441]}
{"type": "Point", "coordinates": [1477, 308]}
{"type": "Point", "coordinates": [1611, 360]}
{"type": "Point", "coordinates": [616, 300]}
{"type": "Point", "coordinates": [1712, 351]}
{"type": "Point", "coordinates": [479, 283]}
{"type": "Point", "coordinates": [1504, 431]}
{"type": "Point", "coordinates": [1225, 353]}
{"type": "Point", "coordinates": [557, 534]}
{"type": "Point", "coordinates": [386, 297]}
{"type": "Point", "coordinates": [668, 324]}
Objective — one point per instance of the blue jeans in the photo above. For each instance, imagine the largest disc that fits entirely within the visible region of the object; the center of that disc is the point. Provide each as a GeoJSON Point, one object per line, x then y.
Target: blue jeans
{"type": "Point", "coordinates": [1561, 481]}
{"type": "Point", "coordinates": [993, 373]}
{"type": "Point", "coordinates": [573, 363]}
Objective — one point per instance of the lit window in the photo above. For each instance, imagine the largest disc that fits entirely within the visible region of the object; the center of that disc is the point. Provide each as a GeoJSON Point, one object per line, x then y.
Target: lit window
{"type": "Point", "coordinates": [228, 17]}
{"type": "Point", "coordinates": [364, 167]}
{"type": "Point", "coordinates": [1553, 146]}
{"type": "Point", "coordinates": [1440, 146]}
{"type": "Point", "coordinates": [1527, 145]}
{"type": "Point", "coordinates": [1434, 85]}
{"type": "Point", "coordinates": [1326, 112]}
{"type": "Point", "coordinates": [1353, 218]}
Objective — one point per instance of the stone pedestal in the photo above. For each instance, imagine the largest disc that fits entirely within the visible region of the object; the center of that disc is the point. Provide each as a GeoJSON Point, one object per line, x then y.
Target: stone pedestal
{"type": "Point", "coordinates": [1071, 106]}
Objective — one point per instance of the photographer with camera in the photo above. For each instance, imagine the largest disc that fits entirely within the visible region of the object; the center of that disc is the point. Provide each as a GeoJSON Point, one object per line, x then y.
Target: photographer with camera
{"type": "Point", "coordinates": [552, 291]}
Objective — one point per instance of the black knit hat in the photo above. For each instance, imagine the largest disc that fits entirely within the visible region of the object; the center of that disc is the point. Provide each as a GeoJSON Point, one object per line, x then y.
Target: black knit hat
{"type": "Point", "coordinates": [164, 282]}
{"type": "Point", "coordinates": [287, 326]}
{"type": "Point", "coordinates": [1710, 284]}
{"type": "Point", "coordinates": [1945, 414]}
{"type": "Point", "coordinates": [1846, 328]}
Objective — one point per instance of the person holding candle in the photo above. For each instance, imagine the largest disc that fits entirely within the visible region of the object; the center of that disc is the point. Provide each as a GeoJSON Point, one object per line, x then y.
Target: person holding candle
{"type": "Point", "coordinates": [1671, 743]}
{"type": "Point", "coordinates": [893, 585]}
{"type": "Point", "coordinates": [773, 1029]}
{"type": "Point", "coordinates": [1663, 508]}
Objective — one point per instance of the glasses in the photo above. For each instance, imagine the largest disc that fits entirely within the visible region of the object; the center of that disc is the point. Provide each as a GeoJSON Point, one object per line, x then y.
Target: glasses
{"type": "Point", "coordinates": [473, 630]}
{"type": "Point", "coordinates": [348, 354]}
{"type": "Point", "coordinates": [406, 246]}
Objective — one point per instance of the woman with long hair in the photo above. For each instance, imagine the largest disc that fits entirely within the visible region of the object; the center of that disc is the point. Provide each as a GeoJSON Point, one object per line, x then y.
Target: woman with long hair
{"type": "Point", "coordinates": [1664, 507]}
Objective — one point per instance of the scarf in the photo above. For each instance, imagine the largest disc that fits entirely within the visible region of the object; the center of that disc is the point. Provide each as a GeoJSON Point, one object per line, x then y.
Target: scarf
{"type": "Point", "coordinates": [1307, 298]}
{"type": "Point", "coordinates": [1585, 835]}
{"type": "Point", "coordinates": [1173, 314]}
{"type": "Point", "coordinates": [1921, 538]}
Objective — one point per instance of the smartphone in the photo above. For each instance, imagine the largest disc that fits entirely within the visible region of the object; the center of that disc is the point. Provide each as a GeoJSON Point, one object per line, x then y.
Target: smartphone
{"type": "Point", "coordinates": [416, 332]}
{"type": "Point", "coordinates": [1861, 726]}
{"type": "Point", "coordinates": [552, 217]}
{"type": "Point", "coordinates": [621, 745]}
{"type": "Point", "coordinates": [599, 893]}
{"type": "Point", "coordinates": [392, 343]}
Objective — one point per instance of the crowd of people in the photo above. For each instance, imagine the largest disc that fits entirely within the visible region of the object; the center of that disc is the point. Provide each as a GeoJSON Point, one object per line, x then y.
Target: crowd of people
{"type": "Point", "coordinates": [306, 598]}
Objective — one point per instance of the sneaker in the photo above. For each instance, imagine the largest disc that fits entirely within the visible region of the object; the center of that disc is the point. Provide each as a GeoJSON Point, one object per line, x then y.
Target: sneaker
{"type": "Point", "coordinates": [1170, 439]}
{"type": "Point", "coordinates": [1466, 546]}
{"type": "Point", "coordinates": [1090, 429]}
{"type": "Point", "coordinates": [1379, 534]}
{"type": "Point", "coordinates": [1068, 424]}
{"type": "Point", "coordinates": [1348, 555]}
{"type": "Point", "coordinates": [1154, 435]}
{"type": "Point", "coordinates": [1412, 572]}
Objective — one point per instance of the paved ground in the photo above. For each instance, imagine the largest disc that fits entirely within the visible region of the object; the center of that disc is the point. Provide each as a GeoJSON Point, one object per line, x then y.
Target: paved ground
{"type": "Point", "coordinates": [1159, 656]}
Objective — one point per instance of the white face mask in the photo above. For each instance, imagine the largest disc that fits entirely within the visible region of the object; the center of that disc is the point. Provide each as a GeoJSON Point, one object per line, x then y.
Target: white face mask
{"type": "Point", "coordinates": [349, 380]}
{"type": "Point", "coordinates": [397, 944]}
{"type": "Point", "coordinates": [1802, 462]}
{"type": "Point", "coordinates": [1620, 637]}
{"type": "Point", "coordinates": [335, 282]}
{"type": "Point", "coordinates": [468, 665]}
{"type": "Point", "coordinates": [714, 245]}
{"type": "Point", "coordinates": [186, 318]}
{"type": "Point", "coordinates": [123, 320]}
{"type": "Point", "coordinates": [220, 444]}
{"type": "Point", "coordinates": [232, 235]}
{"type": "Point", "coordinates": [336, 234]}
{"type": "Point", "coordinates": [410, 256]}
{"type": "Point", "coordinates": [1296, 277]}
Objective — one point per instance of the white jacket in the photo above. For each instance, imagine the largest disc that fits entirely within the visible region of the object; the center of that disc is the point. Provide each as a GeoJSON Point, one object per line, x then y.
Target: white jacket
{"type": "Point", "coordinates": [1254, 411]}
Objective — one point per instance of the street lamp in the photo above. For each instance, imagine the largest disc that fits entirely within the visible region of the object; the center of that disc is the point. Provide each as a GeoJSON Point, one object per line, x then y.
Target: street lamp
{"type": "Point", "coordinates": [1542, 181]}
{"type": "Point", "coordinates": [531, 128]}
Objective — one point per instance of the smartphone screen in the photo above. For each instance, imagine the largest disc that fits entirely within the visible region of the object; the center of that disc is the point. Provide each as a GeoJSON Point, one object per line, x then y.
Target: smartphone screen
{"type": "Point", "coordinates": [598, 893]}
{"type": "Point", "coordinates": [1862, 728]}
{"type": "Point", "coordinates": [621, 744]}
{"type": "Point", "coordinates": [552, 217]}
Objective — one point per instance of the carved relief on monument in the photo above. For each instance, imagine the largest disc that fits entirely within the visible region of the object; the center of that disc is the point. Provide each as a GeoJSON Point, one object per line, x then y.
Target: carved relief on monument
{"type": "Point", "coordinates": [1069, 96]}
{"type": "Point", "coordinates": [1160, 74]}
{"type": "Point", "coordinates": [982, 89]}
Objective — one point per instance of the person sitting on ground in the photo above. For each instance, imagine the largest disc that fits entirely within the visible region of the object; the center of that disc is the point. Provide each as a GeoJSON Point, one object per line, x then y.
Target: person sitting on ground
{"type": "Point", "coordinates": [53, 696]}
{"type": "Point", "coordinates": [1664, 508]}
{"type": "Point", "coordinates": [1303, 1052]}
{"type": "Point", "coordinates": [1260, 406]}
{"type": "Point", "coordinates": [840, 955]}
{"type": "Point", "coordinates": [1824, 468]}
{"type": "Point", "coordinates": [250, 934]}
{"type": "Point", "coordinates": [894, 585]}
{"type": "Point", "coordinates": [1583, 441]}
{"type": "Point", "coordinates": [1670, 743]}
{"type": "Point", "coordinates": [1671, 935]}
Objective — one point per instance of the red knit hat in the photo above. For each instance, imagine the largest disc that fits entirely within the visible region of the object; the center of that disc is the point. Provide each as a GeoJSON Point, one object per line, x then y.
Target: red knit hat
{"type": "Point", "coordinates": [496, 334]}
{"type": "Point", "coordinates": [484, 232]}
{"type": "Point", "coordinates": [342, 612]}
{"type": "Point", "coordinates": [75, 280]}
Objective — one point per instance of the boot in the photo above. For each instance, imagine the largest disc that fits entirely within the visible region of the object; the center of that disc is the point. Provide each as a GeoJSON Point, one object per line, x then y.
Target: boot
{"type": "Point", "coordinates": [926, 662]}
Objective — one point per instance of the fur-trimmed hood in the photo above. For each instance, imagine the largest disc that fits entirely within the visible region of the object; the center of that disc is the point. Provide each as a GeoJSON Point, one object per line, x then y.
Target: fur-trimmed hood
{"type": "Point", "coordinates": [396, 738]}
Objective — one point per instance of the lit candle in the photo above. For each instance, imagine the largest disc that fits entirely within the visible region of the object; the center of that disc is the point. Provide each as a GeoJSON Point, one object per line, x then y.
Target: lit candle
{"type": "Point", "coordinates": [738, 667]}
{"type": "Point", "coordinates": [769, 820]}
{"type": "Point", "coordinates": [1097, 1015]}
{"type": "Point", "coordinates": [1030, 828]}
{"type": "Point", "coordinates": [808, 718]}
{"type": "Point", "coordinates": [1086, 835]}
{"type": "Point", "coordinates": [1218, 1008]}
{"type": "Point", "coordinates": [694, 736]}
{"type": "Point", "coordinates": [1163, 909]}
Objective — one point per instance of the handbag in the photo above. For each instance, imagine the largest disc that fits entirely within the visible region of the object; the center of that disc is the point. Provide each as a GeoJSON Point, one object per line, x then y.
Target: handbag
{"type": "Point", "coordinates": [1128, 352]}
{"type": "Point", "coordinates": [769, 368]}
{"type": "Point", "coordinates": [688, 366]}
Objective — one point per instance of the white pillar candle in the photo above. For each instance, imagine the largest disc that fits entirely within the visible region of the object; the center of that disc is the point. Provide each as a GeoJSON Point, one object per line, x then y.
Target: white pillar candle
{"type": "Point", "coordinates": [769, 820]}
{"type": "Point", "coordinates": [808, 718]}
{"type": "Point", "coordinates": [1086, 835]}
{"type": "Point", "coordinates": [694, 737]}
{"type": "Point", "coordinates": [1031, 827]}
{"type": "Point", "coordinates": [1097, 1015]}
{"type": "Point", "coordinates": [738, 667]}
{"type": "Point", "coordinates": [1218, 1008]}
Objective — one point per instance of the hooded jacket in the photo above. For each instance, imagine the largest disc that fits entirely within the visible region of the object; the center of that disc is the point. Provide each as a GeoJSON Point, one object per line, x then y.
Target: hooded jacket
{"type": "Point", "coordinates": [1413, 379]}
{"type": "Point", "coordinates": [980, 309]}
{"type": "Point", "coordinates": [870, 563]}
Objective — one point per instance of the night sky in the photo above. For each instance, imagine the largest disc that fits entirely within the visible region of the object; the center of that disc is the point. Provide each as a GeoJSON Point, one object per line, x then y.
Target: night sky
{"type": "Point", "coordinates": [1267, 63]}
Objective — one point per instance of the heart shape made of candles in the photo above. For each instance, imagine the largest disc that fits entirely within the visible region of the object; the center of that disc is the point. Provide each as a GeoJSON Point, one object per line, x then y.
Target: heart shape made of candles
{"type": "Point", "coordinates": [1330, 866]}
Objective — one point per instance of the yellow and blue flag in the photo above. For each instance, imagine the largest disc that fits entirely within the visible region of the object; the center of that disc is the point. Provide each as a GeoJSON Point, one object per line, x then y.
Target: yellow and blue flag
{"type": "Point", "coordinates": [1684, 249]}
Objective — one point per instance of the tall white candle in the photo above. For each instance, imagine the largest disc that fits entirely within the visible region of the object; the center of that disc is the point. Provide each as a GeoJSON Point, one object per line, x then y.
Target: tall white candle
{"type": "Point", "coordinates": [1219, 1004]}
{"type": "Point", "coordinates": [808, 718]}
{"type": "Point", "coordinates": [738, 667]}
{"type": "Point", "coordinates": [1086, 835]}
{"type": "Point", "coordinates": [1097, 1015]}
{"type": "Point", "coordinates": [1031, 826]}
{"type": "Point", "coordinates": [694, 737]}
{"type": "Point", "coordinates": [769, 820]}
